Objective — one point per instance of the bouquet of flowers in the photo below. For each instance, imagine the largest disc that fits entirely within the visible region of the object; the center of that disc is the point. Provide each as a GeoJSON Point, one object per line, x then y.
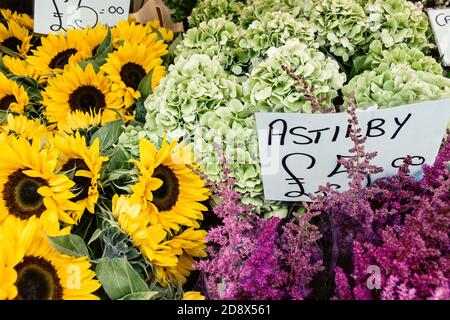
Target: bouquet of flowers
{"type": "Point", "coordinates": [118, 142]}
{"type": "Point", "coordinates": [81, 218]}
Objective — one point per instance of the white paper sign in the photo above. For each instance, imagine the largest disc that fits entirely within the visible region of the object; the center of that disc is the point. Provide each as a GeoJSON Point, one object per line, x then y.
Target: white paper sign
{"type": "Point", "coordinates": [440, 23]}
{"type": "Point", "coordinates": [53, 16]}
{"type": "Point", "coordinates": [300, 152]}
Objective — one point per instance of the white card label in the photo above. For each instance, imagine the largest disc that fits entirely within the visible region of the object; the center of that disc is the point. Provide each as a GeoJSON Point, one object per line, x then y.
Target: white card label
{"type": "Point", "coordinates": [440, 23]}
{"type": "Point", "coordinates": [301, 152]}
{"type": "Point", "coordinates": [53, 16]}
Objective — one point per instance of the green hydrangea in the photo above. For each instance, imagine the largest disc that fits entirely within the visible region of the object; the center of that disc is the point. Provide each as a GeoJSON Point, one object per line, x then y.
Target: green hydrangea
{"type": "Point", "coordinates": [215, 38]}
{"type": "Point", "coordinates": [192, 87]}
{"type": "Point", "coordinates": [397, 54]}
{"type": "Point", "coordinates": [397, 21]}
{"type": "Point", "coordinates": [233, 129]}
{"type": "Point", "coordinates": [273, 30]}
{"type": "Point", "coordinates": [257, 9]}
{"type": "Point", "coordinates": [269, 88]}
{"type": "Point", "coordinates": [129, 139]}
{"type": "Point", "coordinates": [396, 85]}
{"type": "Point", "coordinates": [341, 25]}
{"type": "Point", "coordinates": [211, 9]}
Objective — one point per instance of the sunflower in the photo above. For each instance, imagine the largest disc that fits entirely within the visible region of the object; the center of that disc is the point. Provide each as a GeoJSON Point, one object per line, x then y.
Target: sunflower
{"type": "Point", "coordinates": [166, 34]}
{"type": "Point", "coordinates": [167, 187]}
{"type": "Point", "coordinates": [148, 238]}
{"type": "Point", "coordinates": [31, 269]}
{"type": "Point", "coordinates": [132, 32]}
{"type": "Point", "coordinates": [13, 97]}
{"type": "Point", "coordinates": [193, 295]}
{"type": "Point", "coordinates": [21, 18]}
{"type": "Point", "coordinates": [186, 246]}
{"type": "Point", "coordinates": [129, 65]}
{"type": "Point", "coordinates": [21, 68]}
{"type": "Point", "coordinates": [15, 37]}
{"type": "Point", "coordinates": [28, 185]}
{"type": "Point", "coordinates": [21, 126]}
{"type": "Point", "coordinates": [58, 51]}
{"type": "Point", "coordinates": [79, 90]}
{"type": "Point", "coordinates": [77, 121]}
{"type": "Point", "coordinates": [93, 36]}
{"type": "Point", "coordinates": [83, 165]}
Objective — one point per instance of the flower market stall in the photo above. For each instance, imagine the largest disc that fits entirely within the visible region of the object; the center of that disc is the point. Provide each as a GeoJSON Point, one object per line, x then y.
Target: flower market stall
{"type": "Point", "coordinates": [132, 167]}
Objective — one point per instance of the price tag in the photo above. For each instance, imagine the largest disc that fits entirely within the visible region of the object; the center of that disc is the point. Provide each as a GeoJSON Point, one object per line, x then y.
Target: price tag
{"type": "Point", "coordinates": [53, 16]}
{"type": "Point", "coordinates": [440, 23]}
{"type": "Point", "coordinates": [301, 152]}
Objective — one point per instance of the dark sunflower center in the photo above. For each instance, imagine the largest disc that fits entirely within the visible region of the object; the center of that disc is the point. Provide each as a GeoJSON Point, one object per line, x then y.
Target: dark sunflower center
{"type": "Point", "coordinates": [166, 196]}
{"type": "Point", "coordinates": [12, 43]}
{"type": "Point", "coordinates": [37, 280]}
{"type": "Point", "coordinates": [132, 75]}
{"type": "Point", "coordinates": [62, 58]}
{"type": "Point", "coordinates": [87, 98]}
{"type": "Point", "coordinates": [6, 102]}
{"type": "Point", "coordinates": [21, 195]}
{"type": "Point", "coordinates": [82, 184]}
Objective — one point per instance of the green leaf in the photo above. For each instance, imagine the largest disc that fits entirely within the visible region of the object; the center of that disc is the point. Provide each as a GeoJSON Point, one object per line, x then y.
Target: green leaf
{"type": "Point", "coordinates": [141, 112]}
{"type": "Point", "coordinates": [97, 233]}
{"type": "Point", "coordinates": [119, 159]}
{"type": "Point", "coordinates": [101, 55]}
{"type": "Point", "coordinates": [119, 279]}
{"type": "Point", "coordinates": [70, 244]}
{"type": "Point", "coordinates": [3, 116]}
{"type": "Point", "coordinates": [140, 295]}
{"type": "Point", "coordinates": [145, 87]}
{"type": "Point", "coordinates": [95, 64]}
{"type": "Point", "coordinates": [175, 43]}
{"type": "Point", "coordinates": [8, 51]}
{"type": "Point", "coordinates": [108, 134]}
{"type": "Point", "coordinates": [105, 47]}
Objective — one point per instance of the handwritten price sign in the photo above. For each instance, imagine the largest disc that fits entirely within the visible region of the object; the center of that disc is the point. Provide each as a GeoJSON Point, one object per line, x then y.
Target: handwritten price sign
{"type": "Point", "coordinates": [300, 152]}
{"type": "Point", "coordinates": [53, 16]}
{"type": "Point", "coordinates": [440, 23]}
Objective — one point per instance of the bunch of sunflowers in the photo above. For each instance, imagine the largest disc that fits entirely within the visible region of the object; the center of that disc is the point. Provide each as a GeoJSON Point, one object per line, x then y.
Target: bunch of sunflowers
{"type": "Point", "coordinates": [80, 218]}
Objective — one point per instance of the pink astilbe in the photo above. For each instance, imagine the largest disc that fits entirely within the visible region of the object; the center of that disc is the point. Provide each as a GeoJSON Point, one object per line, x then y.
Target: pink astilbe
{"type": "Point", "coordinates": [261, 276]}
{"type": "Point", "coordinates": [230, 243]}
{"type": "Point", "coordinates": [397, 224]}
{"type": "Point", "coordinates": [256, 259]}
{"type": "Point", "coordinates": [308, 92]}
{"type": "Point", "coordinates": [300, 253]}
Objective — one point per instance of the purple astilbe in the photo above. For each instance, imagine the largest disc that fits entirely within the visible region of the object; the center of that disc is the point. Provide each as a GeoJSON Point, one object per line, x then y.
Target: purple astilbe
{"type": "Point", "coordinates": [261, 276]}
{"type": "Point", "coordinates": [343, 290]}
{"type": "Point", "coordinates": [253, 258]}
{"type": "Point", "coordinates": [300, 254]}
{"type": "Point", "coordinates": [412, 253]}
{"type": "Point", "coordinates": [308, 92]}
{"type": "Point", "coordinates": [397, 224]}
{"type": "Point", "coordinates": [231, 243]}
{"type": "Point", "coordinates": [441, 293]}
{"type": "Point", "coordinates": [348, 216]}
{"type": "Point", "coordinates": [432, 174]}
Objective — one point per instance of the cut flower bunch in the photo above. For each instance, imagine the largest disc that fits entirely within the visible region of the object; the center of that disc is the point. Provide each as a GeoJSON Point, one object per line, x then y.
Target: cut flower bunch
{"type": "Point", "coordinates": [230, 64]}
{"type": "Point", "coordinates": [80, 218]}
{"type": "Point", "coordinates": [130, 165]}
{"type": "Point", "coordinates": [241, 57]}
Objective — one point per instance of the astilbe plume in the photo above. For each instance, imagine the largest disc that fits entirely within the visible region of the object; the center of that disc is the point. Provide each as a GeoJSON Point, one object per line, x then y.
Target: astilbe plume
{"type": "Point", "coordinates": [261, 276]}
{"type": "Point", "coordinates": [257, 259]}
{"type": "Point", "coordinates": [300, 254]}
{"type": "Point", "coordinates": [397, 224]}
{"type": "Point", "coordinates": [230, 243]}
